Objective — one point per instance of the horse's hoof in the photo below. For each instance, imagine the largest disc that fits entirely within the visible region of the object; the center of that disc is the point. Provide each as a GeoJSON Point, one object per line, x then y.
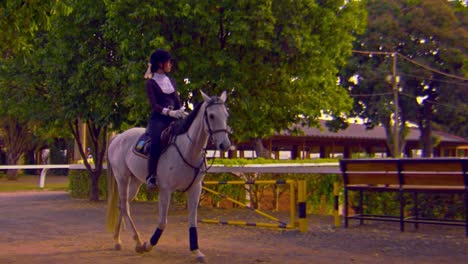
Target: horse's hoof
{"type": "Point", "coordinates": [201, 259]}
{"type": "Point", "coordinates": [140, 249]}
{"type": "Point", "coordinates": [118, 247]}
{"type": "Point", "coordinates": [147, 247]}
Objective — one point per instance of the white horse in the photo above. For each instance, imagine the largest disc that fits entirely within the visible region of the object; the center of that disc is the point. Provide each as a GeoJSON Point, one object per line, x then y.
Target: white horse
{"type": "Point", "coordinates": [181, 167]}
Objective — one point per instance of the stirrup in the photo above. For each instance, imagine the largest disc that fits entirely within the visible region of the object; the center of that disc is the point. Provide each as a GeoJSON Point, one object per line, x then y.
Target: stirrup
{"type": "Point", "coordinates": [151, 184]}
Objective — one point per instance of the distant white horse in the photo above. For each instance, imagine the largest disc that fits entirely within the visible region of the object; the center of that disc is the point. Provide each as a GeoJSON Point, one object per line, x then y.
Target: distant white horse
{"type": "Point", "coordinates": [181, 167]}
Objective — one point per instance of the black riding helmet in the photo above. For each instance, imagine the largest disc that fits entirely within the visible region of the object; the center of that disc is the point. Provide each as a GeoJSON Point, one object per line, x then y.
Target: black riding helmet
{"type": "Point", "coordinates": [159, 56]}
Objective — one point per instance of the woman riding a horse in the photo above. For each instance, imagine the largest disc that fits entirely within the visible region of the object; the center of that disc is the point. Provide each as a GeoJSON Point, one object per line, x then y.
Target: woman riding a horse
{"type": "Point", "coordinates": [182, 165]}
{"type": "Point", "coordinates": [165, 107]}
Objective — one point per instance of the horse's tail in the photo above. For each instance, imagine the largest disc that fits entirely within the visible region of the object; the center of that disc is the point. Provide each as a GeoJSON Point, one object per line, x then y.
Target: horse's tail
{"type": "Point", "coordinates": [112, 196]}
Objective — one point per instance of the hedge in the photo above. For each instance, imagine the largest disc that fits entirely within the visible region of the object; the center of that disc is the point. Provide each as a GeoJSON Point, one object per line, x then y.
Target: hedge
{"type": "Point", "coordinates": [80, 182]}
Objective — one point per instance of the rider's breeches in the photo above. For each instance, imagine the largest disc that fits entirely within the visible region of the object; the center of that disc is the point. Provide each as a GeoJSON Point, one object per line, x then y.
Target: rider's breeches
{"type": "Point", "coordinates": [156, 125]}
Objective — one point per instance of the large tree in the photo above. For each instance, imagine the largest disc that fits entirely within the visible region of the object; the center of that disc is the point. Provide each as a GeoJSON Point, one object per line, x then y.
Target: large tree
{"type": "Point", "coordinates": [454, 101]}
{"type": "Point", "coordinates": [21, 22]}
{"type": "Point", "coordinates": [277, 59]}
{"type": "Point", "coordinates": [82, 85]}
{"type": "Point", "coordinates": [428, 37]}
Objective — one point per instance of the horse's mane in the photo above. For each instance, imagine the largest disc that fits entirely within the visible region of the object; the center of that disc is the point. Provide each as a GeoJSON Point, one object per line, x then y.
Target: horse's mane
{"type": "Point", "coordinates": [182, 125]}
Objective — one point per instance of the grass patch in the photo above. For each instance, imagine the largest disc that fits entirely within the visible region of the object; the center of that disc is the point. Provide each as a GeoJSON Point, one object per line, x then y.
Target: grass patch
{"type": "Point", "coordinates": [31, 183]}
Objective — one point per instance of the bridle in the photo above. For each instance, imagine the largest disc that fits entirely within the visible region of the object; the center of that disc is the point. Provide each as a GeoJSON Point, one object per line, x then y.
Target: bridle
{"type": "Point", "coordinates": [211, 132]}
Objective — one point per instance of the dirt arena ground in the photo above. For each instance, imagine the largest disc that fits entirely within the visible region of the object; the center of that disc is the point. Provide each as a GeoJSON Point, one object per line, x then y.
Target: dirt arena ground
{"type": "Point", "coordinates": [50, 227]}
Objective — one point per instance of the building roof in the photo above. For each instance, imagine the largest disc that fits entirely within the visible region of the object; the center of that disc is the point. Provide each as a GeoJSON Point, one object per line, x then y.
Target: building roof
{"type": "Point", "coordinates": [360, 132]}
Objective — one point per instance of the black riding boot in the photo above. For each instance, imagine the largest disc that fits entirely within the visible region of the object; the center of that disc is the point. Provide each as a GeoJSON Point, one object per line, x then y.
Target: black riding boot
{"type": "Point", "coordinates": [151, 184]}
{"type": "Point", "coordinates": [152, 169]}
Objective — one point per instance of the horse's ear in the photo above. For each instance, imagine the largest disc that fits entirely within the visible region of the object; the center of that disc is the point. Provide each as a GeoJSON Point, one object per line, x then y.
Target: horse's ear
{"type": "Point", "coordinates": [223, 97]}
{"type": "Point", "coordinates": [205, 97]}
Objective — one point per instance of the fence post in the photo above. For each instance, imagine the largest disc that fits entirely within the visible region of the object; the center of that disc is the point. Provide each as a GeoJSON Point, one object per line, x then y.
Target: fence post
{"type": "Point", "coordinates": [292, 203]}
{"type": "Point", "coordinates": [336, 213]}
{"type": "Point", "coordinates": [301, 199]}
{"type": "Point", "coordinates": [42, 178]}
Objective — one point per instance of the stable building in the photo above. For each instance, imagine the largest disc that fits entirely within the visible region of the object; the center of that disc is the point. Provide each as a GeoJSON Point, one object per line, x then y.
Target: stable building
{"type": "Point", "coordinates": [354, 141]}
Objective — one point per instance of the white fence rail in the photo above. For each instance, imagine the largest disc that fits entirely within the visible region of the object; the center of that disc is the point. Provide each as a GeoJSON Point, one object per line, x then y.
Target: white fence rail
{"type": "Point", "coordinates": [306, 168]}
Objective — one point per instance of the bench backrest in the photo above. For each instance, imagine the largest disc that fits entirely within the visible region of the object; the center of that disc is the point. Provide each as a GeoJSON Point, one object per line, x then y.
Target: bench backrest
{"type": "Point", "coordinates": [448, 172]}
{"type": "Point", "coordinates": [406, 171]}
{"type": "Point", "coordinates": [368, 171]}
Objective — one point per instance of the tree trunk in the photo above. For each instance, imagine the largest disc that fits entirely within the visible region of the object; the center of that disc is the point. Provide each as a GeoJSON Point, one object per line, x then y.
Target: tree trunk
{"type": "Point", "coordinates": [390, 138]}
{"type": "Point", "coordinates": [389, 132]}
{"type": "Point", "coordinates": [426, 139]}
{"type": "Point", "coordinates": [94, 188]}
{"type": "Point", "coordinates": [425, 127]}
{"type": "Point", "coordinates": [12, 159]}
{"type": "Point", "coordinates": [261, 151]}
{"type": "Point", "coordinates": [16, 139]}
{"type": "Point", "coordinates": [98, 142]}
{"type": "Point", "coordinates": [3, 159]}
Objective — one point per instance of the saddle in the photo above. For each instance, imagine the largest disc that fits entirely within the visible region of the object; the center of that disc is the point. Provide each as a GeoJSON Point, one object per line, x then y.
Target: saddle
{"type": "Point", "coordinates": [143, 145]}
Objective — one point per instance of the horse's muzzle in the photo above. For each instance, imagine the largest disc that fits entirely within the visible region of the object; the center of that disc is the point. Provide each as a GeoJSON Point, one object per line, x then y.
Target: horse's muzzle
{"type": "Point", "coordinates": [225, 145]}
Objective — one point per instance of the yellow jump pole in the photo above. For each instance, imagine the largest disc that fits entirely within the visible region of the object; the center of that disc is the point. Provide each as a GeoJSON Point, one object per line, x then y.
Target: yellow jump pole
{"type": "Point", "coordinates": [243, 205]}
{"type": "Point", "coordinates": [336, 213]}
{"type": "Point", "coordinates": [243, 223]}
{"type": "Point", "coordinates": [301, 199]}
{"type": "Point", "coordinates": [248, 182]}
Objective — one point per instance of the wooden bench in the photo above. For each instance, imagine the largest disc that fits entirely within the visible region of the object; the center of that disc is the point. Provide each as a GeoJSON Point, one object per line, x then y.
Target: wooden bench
{"type": "Point", "coordinates": [419, 175]}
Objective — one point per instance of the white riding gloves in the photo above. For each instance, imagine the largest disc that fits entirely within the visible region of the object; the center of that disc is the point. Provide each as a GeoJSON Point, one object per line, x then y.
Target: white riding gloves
{"type": "Point", "coordinates": [178, 114]}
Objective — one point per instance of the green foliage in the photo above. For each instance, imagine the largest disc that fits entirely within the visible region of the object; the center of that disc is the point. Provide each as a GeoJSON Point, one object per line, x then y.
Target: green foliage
{"type": "Point", "coordinates": [144, 195]}
{"type": "Point", "coordinates": [82, 85]}
{"type": "Point", "coordinates": [20, 22]}
{"type": "Point", "coordinates": [378, 203]}
{"type": "Point", "coordinates": [80, 182]}
{"type": "Point", "coordinates": [320, 196]}
{"type": "Point", "coordinates": [23, 26]}
{"type": "Point", "coordinates": [82, 78]}
{"type": "Point", "coordinates": [429, 205]}
{"type": "Point", "coordinates": [278, 60]}
{"type": "Point", "coordinates": [440, 205]}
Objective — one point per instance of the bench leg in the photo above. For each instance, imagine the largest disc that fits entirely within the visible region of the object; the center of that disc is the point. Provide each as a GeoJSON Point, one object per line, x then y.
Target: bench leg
{"type": "Point", "coordinates": [361, 207]}
{"type": "Point", "coordinates": [345, 207]}
{"type": "Point", "coordinates": [466, 213]}
{"type": "Point", "coordinates": [402, 209]}
{"type": "Point", "coordinates": [415, 210]}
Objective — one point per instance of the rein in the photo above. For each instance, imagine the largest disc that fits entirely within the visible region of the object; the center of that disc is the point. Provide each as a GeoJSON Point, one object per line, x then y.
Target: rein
{"type": "Point", "coordinates": [211, 132]}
